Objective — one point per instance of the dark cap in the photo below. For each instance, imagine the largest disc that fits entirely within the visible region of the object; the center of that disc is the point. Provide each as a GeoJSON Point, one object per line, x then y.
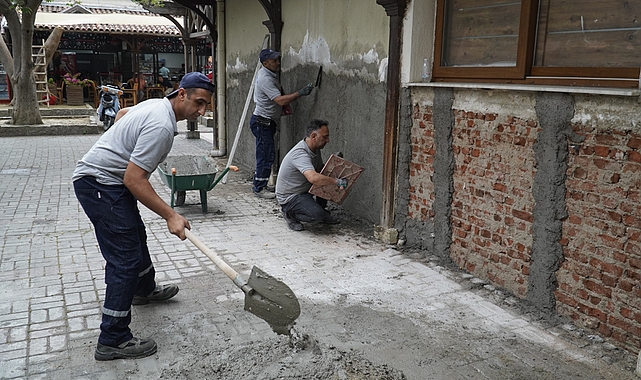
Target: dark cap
{"type": "Point", "coordinates": [266, 54]}
{"type": "Point", "coordinates": [195, 80]}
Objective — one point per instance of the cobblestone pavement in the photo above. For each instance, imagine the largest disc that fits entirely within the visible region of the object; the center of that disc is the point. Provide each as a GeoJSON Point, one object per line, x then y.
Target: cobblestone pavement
{"type": "Point", "coordinates": [419, 317]}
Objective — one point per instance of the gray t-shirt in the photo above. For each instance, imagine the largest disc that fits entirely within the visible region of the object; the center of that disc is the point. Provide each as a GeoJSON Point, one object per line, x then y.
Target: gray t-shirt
{"type": "Point", "coordinates": [143, 136]}
{"type": "Point", "coordinates": [266, 90]}
{"type": "Point", "coordinates": [291, 181]}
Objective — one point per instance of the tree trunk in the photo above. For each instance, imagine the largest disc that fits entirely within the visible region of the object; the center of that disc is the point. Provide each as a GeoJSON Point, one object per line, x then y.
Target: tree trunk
{"type": "Point", "coordinates": [19, 65]}
{"type": "Point", "coordinates": [25, 106]}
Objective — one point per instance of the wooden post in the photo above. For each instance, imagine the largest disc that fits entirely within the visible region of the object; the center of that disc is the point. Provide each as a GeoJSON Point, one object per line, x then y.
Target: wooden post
{"type": "Point", "coordinates": [395, 9]}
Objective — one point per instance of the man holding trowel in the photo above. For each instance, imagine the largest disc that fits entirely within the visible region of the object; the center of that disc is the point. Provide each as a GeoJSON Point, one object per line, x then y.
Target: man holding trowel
{"type": "Point", "coordinates": [269, 100]}
{"type": "Point", "coordinates": [109, 181]}
{"type": "Point", "coordinates": [300, 170]}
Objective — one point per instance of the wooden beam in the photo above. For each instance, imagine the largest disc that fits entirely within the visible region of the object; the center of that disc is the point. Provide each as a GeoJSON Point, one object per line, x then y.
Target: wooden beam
{"type": "Point", "coordinates": [395, 9]}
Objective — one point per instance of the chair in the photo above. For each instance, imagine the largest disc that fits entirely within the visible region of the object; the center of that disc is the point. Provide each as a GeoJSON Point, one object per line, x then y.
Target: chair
{"type": "Point", "coordinates": [60, 92]}
{"type": "Point", "coordinates": [93, 94]}
{"type": "Point", "coordinates": [128, 97]}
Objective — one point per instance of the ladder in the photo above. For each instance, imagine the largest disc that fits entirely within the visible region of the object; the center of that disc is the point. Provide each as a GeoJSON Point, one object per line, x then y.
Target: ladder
{"type": "Point", "coordinates": [40, 72]}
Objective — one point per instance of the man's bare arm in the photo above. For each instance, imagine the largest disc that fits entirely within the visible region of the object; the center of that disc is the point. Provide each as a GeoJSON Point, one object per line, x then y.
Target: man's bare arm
{"type": "Point", "coordinates": [283, 100]}
{"type": "Point", "coordinates": [137, 182]}
{"type": "Point", "coordinates": [315, 178]}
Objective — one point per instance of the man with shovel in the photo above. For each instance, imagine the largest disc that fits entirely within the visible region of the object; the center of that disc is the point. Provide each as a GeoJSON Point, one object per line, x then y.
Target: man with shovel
{"type": "Point", "coordinates": [300, 170]}
{"type": "Point", "coordinates": [109, 181]}
{"type": "Point", "coordinates": [269, 101]}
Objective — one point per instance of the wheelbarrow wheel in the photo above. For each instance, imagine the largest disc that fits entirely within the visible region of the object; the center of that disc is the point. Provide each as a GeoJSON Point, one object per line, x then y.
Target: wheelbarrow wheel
{"type": "Point", "coordinates": [180, 198]}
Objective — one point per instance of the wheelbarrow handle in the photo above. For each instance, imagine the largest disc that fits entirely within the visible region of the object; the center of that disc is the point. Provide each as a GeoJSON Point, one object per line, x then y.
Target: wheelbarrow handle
{"type": "Point", "coordinates": [229, 271]}
{"type": "Point", "coordinates": [222, 175]}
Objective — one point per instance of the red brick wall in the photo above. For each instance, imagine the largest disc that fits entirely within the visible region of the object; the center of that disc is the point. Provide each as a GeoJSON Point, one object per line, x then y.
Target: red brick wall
{"type": "Point", "coordinates": [421, 191]}
{"type": "Point", "coordinates": [599, 283]}
{"type": "Point", "coordinates": [492, 208]}
{"type": "Point", "coordinates": [600, 280]}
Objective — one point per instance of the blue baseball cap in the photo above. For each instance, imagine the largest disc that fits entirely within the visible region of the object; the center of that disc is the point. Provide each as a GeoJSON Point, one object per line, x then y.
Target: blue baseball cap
{"type": "Point", "coordinates": [195, 80]}
{"type": "Point", "coordinates": [266, 54]}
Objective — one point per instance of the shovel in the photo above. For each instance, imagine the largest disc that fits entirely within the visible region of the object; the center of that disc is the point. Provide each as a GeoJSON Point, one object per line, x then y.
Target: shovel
{"type": "Point", "coordinates": [265, 296]}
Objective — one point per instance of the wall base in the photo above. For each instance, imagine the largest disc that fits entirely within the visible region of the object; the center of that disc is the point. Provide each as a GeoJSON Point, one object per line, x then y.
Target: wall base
{"type": "Point", "coordinates": [386, 235]}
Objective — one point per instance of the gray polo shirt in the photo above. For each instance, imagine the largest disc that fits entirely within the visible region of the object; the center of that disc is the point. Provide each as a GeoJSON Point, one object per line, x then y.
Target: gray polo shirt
{"type": "Point", "coordinates": [267, 88]}
{"type": "Point", "coordinates": [291, 181]}
{"type": "Point", "coordinates": [143, 136]}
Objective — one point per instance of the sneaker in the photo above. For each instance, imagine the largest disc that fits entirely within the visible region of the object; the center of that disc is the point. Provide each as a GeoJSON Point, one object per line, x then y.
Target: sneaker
{"type": "Point", "coordinates": [131, 349]}
{"type": "Point", "coordinates": [264, 194]}
{"type": "Point", "coordinates": [161, 293]}
{"type": "Point", "coordinates": [271, 189]}
{"type": "Point", "coordinates": [292, 222]}
{"type": "Point", "coordinates": [331, 219]}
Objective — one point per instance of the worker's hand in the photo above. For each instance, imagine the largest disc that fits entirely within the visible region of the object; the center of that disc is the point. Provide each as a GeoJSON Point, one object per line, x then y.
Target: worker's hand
{"type": "Point", "coordinates": [177, 224]}
{"type": "Point", "coordinates": [341, 183]}
{"type": "Point", "coordinates": [306, 90]}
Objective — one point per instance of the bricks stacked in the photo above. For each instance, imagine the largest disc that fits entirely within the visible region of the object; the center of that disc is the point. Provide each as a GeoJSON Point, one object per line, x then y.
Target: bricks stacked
{"type": "Point", "coordinates": [600, 280]}
{"type": "Point", "coordinates": [599, 283]}
{"type": "Point", "coordinates": [421, 191]}
{"type": "Point", "coordinates": [492, 210]}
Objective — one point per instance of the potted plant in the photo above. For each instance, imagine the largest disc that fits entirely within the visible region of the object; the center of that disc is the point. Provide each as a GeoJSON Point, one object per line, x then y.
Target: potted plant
{"type": "Point", "coordinates": [74, 86]}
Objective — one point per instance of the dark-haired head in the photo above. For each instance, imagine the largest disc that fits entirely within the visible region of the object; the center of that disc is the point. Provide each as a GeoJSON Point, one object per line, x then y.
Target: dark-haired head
{"type": "Point", "coordinates": [315, 125]}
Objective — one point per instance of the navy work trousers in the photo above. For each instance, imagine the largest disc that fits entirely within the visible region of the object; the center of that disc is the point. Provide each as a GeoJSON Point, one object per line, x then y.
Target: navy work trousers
{"type": "Point", "coordinates": [121, 235]}
{"type": "Point", "coordinates": [265, 151]}
{"type": "Point", "coordinates": [306, 208]}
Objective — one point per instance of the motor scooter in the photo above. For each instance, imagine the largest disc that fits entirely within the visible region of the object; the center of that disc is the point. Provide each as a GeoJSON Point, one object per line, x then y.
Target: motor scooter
{"type": "Point", "coordinates": [109, 105]}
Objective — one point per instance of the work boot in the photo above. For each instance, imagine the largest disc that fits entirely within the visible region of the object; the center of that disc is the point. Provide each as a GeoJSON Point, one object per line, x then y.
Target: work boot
{"type": "Point", "coordinates": [330, 219]}
{"type": "Point", "coordinates": [293, 223]}
{"type": "Point", "coordinates": [263, 193]}
{"type": "Point", "coordinates": [134, 348]}
{"type": "Point", "coordinates": [161, 293]}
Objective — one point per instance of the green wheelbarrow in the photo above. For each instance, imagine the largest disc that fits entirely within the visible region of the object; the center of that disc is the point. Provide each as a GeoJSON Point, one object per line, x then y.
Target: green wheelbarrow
{"type": "Point", "coordinates": [182, 173]}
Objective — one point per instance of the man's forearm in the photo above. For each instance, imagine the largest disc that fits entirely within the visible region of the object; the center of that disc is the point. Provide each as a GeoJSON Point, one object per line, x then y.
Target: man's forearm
{"type": "Point", "coordinates": [145, 194]}
{"type": "Point", "coordinates": [284, 100]}
{"type": "Point", "coordinates": [315, 178]}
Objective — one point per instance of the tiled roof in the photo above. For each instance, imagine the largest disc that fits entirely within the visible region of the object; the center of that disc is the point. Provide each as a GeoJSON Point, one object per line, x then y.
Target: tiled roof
{"type": "Point", "coordinates": [157, 30]}
{"type": "Point", "coordinates": [144, 22]}
{"type": "Point", "coordinates": [96, 10]}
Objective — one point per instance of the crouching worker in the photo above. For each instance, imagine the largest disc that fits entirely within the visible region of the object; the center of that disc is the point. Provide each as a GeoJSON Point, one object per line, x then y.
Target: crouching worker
{"type": "Point", "coordinates": [109, 181]}
{"type": "Point", "coordinates": [300, 170]}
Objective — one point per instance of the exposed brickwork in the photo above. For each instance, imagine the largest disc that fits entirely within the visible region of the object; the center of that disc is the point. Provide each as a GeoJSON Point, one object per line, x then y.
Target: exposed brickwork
{"type": "Point", "coordinates": [600, 280]}
{"type": "Point", "coordinates": [492, 211]}
{"type": "Point", "coordinates": [422, 164]}
{"type": "Point", "coordinates": [599, 283]}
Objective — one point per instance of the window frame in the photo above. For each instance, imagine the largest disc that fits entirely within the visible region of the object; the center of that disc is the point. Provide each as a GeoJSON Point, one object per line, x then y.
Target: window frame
{"type": "Point", "coordinates": [524, 72]}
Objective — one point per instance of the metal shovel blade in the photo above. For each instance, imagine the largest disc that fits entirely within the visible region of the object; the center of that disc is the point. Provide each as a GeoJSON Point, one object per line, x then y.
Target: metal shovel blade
{"type": "Point", "coordinates": [272, 301]}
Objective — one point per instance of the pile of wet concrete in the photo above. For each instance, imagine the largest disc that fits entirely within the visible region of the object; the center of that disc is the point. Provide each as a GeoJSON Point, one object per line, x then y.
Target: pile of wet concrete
{"type": "Point", "coordinates": [298, 356]}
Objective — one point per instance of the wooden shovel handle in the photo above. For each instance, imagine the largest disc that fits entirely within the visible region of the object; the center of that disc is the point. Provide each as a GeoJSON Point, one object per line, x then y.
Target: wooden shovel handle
{"type": "Point", "coordinates": [229, 271]}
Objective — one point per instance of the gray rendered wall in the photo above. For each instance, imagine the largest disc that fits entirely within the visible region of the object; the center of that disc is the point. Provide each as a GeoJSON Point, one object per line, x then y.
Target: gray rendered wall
{"type": "Point", "coordinates": [355, 110]}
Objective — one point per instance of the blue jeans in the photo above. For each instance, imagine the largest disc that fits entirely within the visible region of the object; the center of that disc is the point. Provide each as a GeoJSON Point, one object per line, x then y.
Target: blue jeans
{"type": "Point", "coordinates": [121, 235]}
{"type": "Point", "coordinates": [305, 208]}
{"type": "Point", "coordinates": [265, 151]}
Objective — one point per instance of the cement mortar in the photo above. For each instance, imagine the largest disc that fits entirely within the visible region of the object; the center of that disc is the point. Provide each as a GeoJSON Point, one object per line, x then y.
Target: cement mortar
{"type": "Point", "coordinates": [189, 165]}
{"type": "Point", "coordinates": [551, 152]}
{"type": "Point", "coordinates": [282, 358]}
{"type": "Point", "coordinates": [443, 170]}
